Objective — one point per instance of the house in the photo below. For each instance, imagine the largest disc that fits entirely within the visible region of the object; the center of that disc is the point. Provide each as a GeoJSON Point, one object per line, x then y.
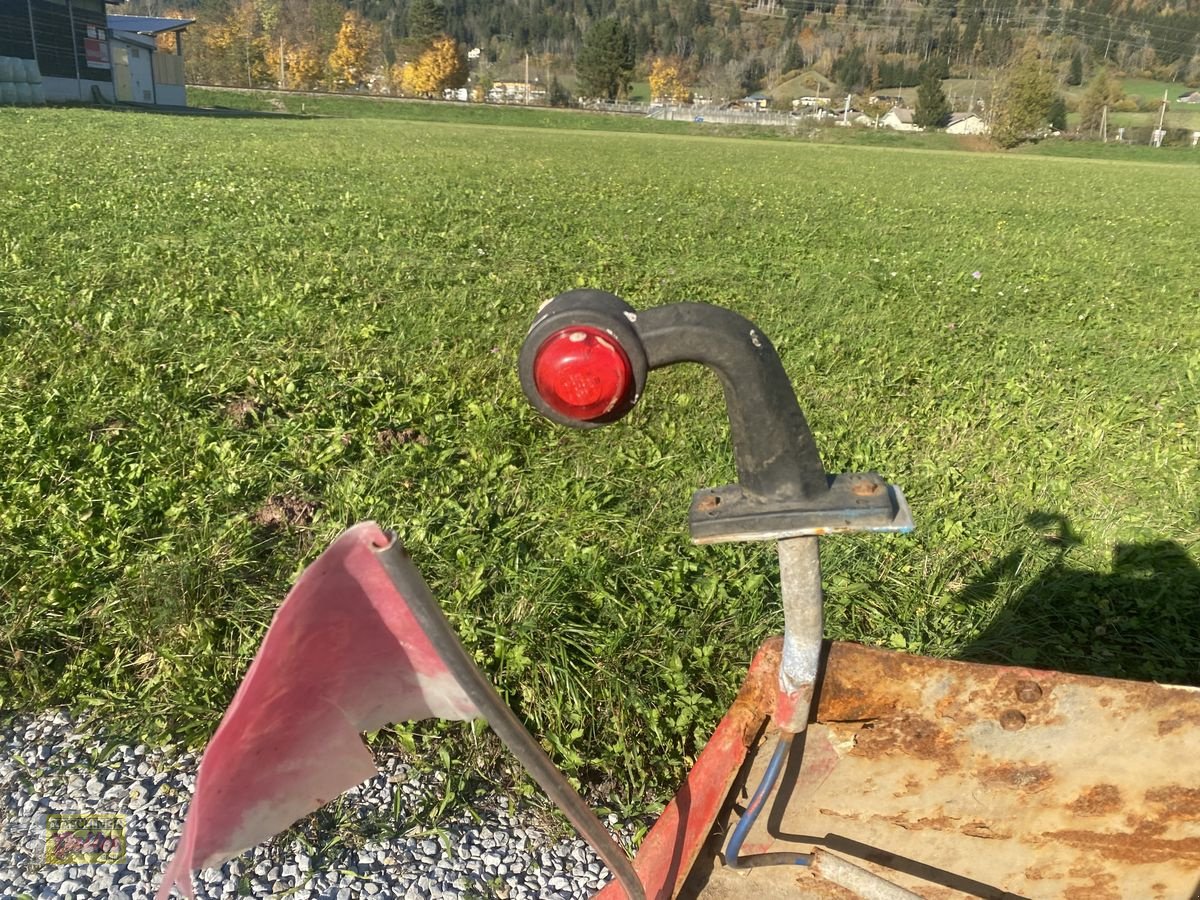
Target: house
{"type": "Point", "coordinates": [146, 53]}
{"type": "Point", "coordinates": [898, 118]}
{"type": "Point", "coordinates": [68, 42]}
{"type": "Point", "coordinates": [754, 101]}
{"type": "Point", "coordinates": [1190, 97]}
{"type": "Point", "coordinates": [966, 123]}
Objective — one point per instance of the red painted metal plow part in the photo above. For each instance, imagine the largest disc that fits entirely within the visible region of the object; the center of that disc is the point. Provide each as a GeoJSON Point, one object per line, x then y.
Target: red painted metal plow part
{"type": "Point", "coordinates": [358, 643]}
{"type": "Point", "coordinates": [957, 780]}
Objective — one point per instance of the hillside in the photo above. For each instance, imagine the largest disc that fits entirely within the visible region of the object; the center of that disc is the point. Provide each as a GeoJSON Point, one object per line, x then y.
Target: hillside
{"type": "Point", "coordinates": [728, 47]}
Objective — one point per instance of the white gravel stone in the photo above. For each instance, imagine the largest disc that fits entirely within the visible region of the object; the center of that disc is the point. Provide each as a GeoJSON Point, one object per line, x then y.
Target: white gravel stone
{"type": "Point", "coordinates": [51, 762]}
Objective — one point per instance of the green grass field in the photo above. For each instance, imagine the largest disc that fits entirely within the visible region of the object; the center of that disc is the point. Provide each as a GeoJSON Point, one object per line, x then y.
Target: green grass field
{"type": "Point", "coordinates": [226, 340]}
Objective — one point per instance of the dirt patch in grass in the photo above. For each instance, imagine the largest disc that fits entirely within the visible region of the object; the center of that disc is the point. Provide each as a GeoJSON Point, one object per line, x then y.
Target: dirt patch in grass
{"type": "Point", "coordinates": [282, 510]}
{"type": "Point", "coordinates": [243, 412]}
{"type": "Point", "coordinates": [391, 438]}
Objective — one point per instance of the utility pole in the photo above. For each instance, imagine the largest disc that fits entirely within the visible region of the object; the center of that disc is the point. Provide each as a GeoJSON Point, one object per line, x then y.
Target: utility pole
{"type": "Point", "coordinates": [526, 77]}
{"type": "Point", "coordinates": [1162, 115]}
{"type": "Point", "coordinates": [282, 73]}
{"type": "Point", "coordinates": [1104, 122]}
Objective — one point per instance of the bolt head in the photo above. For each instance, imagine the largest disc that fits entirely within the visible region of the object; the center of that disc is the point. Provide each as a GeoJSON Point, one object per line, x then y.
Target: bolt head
{"type": "Point", "coordinates": [1029, 691]}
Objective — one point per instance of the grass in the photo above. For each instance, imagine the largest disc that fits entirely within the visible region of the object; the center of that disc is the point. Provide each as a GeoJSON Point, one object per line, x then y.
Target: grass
{"type": "Point", "coordinates": [1151, 90]}
{"type": "Point", "coordinates": [226, 340]}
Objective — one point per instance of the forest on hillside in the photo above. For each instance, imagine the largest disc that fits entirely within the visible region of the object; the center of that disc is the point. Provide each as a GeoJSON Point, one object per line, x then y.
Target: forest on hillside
{"type": "Point", "coordinates": [728, 46]}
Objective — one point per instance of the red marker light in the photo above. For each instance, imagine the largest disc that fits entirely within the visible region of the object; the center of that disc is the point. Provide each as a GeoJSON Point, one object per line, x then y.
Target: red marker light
{"type": "Point", "coordinates": [582, 373]}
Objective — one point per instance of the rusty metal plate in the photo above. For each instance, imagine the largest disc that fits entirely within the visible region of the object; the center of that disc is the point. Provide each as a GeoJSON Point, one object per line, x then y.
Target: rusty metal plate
{"type": "Point", "coordinates": [961, 780]}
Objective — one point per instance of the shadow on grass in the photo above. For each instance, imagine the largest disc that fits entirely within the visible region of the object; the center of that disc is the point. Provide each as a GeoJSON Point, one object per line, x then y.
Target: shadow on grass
{"type": "Point", "coordinates": [200, 112]}
{"type": "Point", "coordinates": [1141, 620]}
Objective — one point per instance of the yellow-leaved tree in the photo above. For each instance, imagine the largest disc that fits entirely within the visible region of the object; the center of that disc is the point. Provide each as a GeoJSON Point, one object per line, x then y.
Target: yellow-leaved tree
{"type": "Point", "coordinates": [232, 50]}
{"type": "Point", "coordinates": [670, 81]}
{"type": "Point", "coordinates": [304, 65]}
{"type": "Point", "coordinates": [442, 66]}
{"type": "Point", "coordinates": [357, 42]}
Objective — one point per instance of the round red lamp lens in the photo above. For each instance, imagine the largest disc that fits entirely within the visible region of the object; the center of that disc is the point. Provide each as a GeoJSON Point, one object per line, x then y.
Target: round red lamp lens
{"type": "Point", "coordinates": [582, 373]}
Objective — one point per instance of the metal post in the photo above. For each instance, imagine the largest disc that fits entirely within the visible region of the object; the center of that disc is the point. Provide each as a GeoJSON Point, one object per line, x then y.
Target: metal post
{"type": "Point", "coordinates": [803, 630]}
{"type": "Point", "coordinates": [75, 50]}
{"type": "Point", "coordinates": [32, 31]}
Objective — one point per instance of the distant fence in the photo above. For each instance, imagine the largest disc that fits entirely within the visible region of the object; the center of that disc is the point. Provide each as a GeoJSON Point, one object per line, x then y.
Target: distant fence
{"type": "Point", "coordinates": [722, 116]}
{"type": "Point", "coordinates": [637, 109]}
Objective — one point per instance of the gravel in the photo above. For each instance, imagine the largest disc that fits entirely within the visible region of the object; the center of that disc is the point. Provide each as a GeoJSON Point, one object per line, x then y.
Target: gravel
{"type": "Point", "coordinates": [51, 763]}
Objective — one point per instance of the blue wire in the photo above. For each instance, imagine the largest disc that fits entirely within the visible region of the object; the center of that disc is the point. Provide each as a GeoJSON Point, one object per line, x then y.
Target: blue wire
{"type": "Point", "coordinates": [754, 807]}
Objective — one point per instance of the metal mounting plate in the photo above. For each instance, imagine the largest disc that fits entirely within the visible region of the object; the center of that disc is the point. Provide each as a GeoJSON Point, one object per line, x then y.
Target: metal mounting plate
{"type": "Point", "coordinates": [854, 502]}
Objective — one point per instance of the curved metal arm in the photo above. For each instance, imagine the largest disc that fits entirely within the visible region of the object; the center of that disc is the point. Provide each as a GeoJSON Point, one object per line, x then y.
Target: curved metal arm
{"type": "Point", "coordinates": [773, 446]}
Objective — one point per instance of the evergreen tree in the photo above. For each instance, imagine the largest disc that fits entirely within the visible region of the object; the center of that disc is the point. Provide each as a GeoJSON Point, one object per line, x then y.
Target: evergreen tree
{"type": "Point", "coordinates": [1075, 75]}
{"type": "Point", "coordinates": [735, 16]}
{"type": "Point", "coordinates": [850, 69]}
{"type": "Point", "coordinates": [793, 59]}
{"type": "Point", "coordinates": [1058, 113]}
{"type": "Point", "coordinates": [1023, 109]}
{"type": "Point", "coordinates": [605, 61]}
{"type": "Point", "coordinates": [426, 20]}
{"type": "Point", "coordinates": [933, 109]}
{"type": "Point", "coordinates": [557, 94]}
{"type": "Point", "coordinates": [1101, 91]}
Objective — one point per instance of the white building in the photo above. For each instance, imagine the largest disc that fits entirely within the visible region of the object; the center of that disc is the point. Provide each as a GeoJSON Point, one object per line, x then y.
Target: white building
{"type": "Point", "coordinates": [146, 53]}
{"type": "Point", "coordinates": [899, 119]}
{"type": "Point", "coordinates": [966, 123]}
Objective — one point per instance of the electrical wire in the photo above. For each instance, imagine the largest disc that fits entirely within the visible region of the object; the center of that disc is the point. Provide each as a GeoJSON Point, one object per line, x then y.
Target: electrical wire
{"type": "Point", "coordinates": [757, 801]}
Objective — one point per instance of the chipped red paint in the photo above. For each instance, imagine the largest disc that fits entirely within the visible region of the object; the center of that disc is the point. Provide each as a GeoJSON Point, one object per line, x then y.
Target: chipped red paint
{"type": "Point", "coordinates": [670, 849]}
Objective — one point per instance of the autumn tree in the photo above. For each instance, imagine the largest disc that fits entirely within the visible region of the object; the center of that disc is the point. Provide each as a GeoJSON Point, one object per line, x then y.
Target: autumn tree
{"type": "Point", "coordinates": [357, 41]}
{"type": "Point", "coordinates": [442, 66]}
{"type": "Point", "coordinates": [670, 81]}
{"type": "Point", "coordinates": [232, 50]}
{"type": "Point", "coordinates": [303, 65]}
{"type": "Point", "coordinates": [605, 61]}
{"type": "Point", "coordinates": [1025, 98]}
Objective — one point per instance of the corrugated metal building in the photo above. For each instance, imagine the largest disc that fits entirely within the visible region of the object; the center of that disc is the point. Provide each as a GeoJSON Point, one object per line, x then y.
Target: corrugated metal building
{"type": "Point", "coordinates": [147, 59]}
{"type": "Point", "coordinates": [86, 55]}
{"type": "Point", "coordinates": [67, 39]}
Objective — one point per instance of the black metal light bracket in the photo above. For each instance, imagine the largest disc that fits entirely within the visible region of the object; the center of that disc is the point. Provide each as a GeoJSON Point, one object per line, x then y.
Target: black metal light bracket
{"type": "Point", "coordinates": [783, 489]}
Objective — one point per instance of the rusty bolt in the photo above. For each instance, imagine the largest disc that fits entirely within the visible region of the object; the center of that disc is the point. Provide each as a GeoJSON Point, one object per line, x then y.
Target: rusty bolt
{"type": "Point", "coordinates": [1012, 720]}
{"type": "Point", "coordinates": [1029, 691]}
